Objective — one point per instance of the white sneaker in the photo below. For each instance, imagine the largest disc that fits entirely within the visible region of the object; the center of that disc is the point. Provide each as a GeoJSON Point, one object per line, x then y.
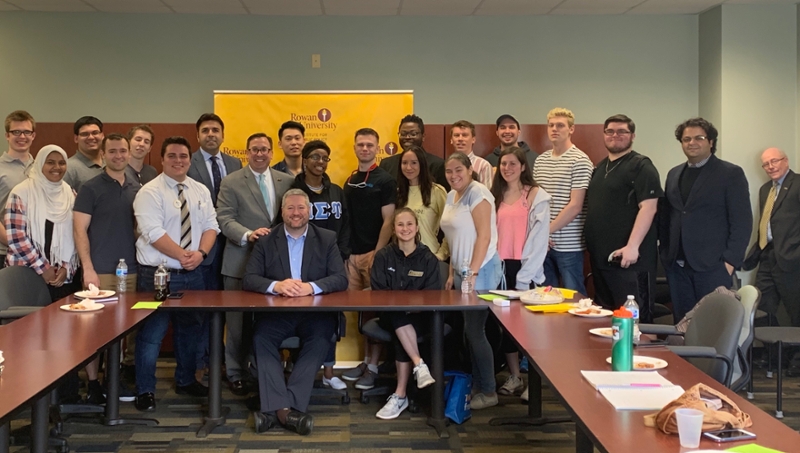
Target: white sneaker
{"type": "Point", "coordinates": [423, 375]}
{"type": "Point", "coordinates": [334, 383]}
{"type": "Point", "coordinates": [393, 408]}
{"type": "Point", "coordinates": [524, 396]}
{"type": "Point", "coordinates": [511, 386]}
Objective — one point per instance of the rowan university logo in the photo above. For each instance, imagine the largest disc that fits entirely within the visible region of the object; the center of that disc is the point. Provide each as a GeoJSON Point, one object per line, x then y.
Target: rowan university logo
{"type": "Point", "coordinates": [391, 148]}
{"type": "Point", "coordinates": [324, 115]}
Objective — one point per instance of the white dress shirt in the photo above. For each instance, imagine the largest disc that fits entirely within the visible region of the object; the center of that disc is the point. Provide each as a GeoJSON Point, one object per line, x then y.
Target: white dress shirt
{"type": "Point", "coordinates": [158, 212]}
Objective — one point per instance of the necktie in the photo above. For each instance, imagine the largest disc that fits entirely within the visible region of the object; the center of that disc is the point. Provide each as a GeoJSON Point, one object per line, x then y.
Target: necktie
{"type": "Point", "coordinates": [262, 184]}
{"type": "Point", "coordinates": [186, 221]}
{"type": "Point", "coordinates": [764, 223]}
{"type": "Point", "coordinates": [216, 176]}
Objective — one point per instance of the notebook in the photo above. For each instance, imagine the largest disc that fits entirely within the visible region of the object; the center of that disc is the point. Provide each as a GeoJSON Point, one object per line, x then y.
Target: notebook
{"type": "Point", "coordinates": [603, 379]}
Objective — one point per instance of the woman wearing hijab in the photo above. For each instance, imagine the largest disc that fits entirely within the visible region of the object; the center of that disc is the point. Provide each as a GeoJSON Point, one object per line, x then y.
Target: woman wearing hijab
{"type": "Point", "coordinates": [38, 223]}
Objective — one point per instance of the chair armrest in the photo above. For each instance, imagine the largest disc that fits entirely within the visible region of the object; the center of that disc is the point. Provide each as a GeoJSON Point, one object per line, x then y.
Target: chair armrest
{"type": "Point", "coordinates": [17, 312]}
{"type": "Point", "coordinates": [705, 352]}
{"type": "Point", "coordinates": [659, 329]}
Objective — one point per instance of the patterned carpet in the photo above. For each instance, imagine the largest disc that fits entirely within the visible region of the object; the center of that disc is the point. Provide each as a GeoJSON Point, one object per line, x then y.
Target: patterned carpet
{"type": "Point", "coordinates": [350, 427]}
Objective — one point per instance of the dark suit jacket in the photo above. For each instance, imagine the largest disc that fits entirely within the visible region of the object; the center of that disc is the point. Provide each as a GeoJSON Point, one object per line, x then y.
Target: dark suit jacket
{"type": "Point", "coordinates": [199, 172]}
{"type": "Point", "coordinates": [715, 223]}
{"type": "Point", "coordinates": [435, 166]}
{"type": "Point", "coordinates": [322, 262]}
{"type": "Point", "coordinates": [785, 224]}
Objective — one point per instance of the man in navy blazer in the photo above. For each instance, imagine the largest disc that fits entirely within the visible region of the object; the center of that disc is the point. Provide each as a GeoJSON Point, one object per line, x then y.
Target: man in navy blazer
{"type": "Point", "coordinates": [295, 259]}
{"type": "Point", "coordinates": [704, 219]}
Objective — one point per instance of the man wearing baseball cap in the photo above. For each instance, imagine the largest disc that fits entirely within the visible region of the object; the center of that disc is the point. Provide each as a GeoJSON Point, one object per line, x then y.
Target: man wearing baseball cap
{"type": "Point", "coordinates": [508, 133]}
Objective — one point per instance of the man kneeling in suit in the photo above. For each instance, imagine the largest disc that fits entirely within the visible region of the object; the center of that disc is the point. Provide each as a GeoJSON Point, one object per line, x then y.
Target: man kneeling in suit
{"type": "Point", "coordinates": [295, 259]}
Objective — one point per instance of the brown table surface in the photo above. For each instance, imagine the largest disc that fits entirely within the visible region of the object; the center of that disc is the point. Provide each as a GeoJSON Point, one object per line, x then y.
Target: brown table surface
{"type": "Point", "coordinates": [340, 301]}
{"type": "Point", "coordinates": [54, 329]}
{"type": "Point", "coordinates": [559, 346]}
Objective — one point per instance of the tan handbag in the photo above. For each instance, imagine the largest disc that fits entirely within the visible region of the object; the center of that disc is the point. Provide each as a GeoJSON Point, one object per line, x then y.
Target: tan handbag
{"type": "Point", "coordinates": [729, 416]}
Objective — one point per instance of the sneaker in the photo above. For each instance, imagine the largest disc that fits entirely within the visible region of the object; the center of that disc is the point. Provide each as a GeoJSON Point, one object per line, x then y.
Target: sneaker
{"type": "Point", "coordinates": [367, 381]}
{"type": "Point", "coordinates": [125, 393]}
{"type": "Point", "coordinates": [393, 408]}
{"type": "Point", "coordinates": [524, 395]}
{"type": "Point", "coordinates": [94, 394]}
{"type": "Point", "coordinates": [423, 375]}
{"type": "Point", "coordinates": [353, 374]}
{"type": "Point", "coordinates": [481, 401]}
{"type": "Point", "coordinates": [334, 383]}
{"type": "Point", "coordinates": [512, 385]}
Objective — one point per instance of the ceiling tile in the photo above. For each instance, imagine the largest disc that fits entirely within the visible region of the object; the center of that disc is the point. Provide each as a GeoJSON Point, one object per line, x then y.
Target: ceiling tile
{"type": "Point", "coordinates": [595, 6]}
{"type": "Point", "coordinates": [284, 7]}
{"type": "Point", "coordinates": [516, 7]}
{"type": "Point", "coordinates": [674, 6]}
{"type": "Point", "coordinates": [52, 5]}
{"type": "Point", "coordinates": [129, 6]}
{"type": "Point", "coordinates": [439, 8]}
{"type": "Point", "coordinates": [361, 7]}
{"type": "Point", "coordinates": [206, 6]}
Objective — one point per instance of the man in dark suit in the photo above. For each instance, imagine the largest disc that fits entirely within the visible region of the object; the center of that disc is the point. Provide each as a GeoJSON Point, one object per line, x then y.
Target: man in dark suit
{"type": "Point", "coordinates": [704, 219]}
{"type": "Point", "coordinates": [412, 132]}
{"type": "Point", "coordinates": [777, 250]}
{"type": "Point", "coordinates": [295, 259]}
{"type": "Point", "coordinates": [248, 204]}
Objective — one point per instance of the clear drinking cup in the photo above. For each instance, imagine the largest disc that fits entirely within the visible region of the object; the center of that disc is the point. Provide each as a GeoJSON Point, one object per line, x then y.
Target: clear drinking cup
{"type": "Point", "coordinates": [690, 426]}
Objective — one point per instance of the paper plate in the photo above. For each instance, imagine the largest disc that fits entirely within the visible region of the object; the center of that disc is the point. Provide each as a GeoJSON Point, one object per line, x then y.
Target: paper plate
{"type": "Point", "coordinates": [103, 294]}
{"type": "Point", "coordinates": [603, 313]}
{"type": "Point", "coordinates": [642, 363]}
{"type": "Point", "coordinates": [94, 307]}
{"type": "Point", "coordinates": [605, 332]}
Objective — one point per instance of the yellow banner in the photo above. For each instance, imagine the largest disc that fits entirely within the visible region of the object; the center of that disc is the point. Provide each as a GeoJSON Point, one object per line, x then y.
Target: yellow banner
{"type": "Point", "coordinates": [333, 117]}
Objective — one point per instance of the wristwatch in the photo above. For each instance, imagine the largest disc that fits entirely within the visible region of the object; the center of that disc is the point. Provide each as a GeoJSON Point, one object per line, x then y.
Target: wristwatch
{"type": "Point", "coordinates": [205, 255]}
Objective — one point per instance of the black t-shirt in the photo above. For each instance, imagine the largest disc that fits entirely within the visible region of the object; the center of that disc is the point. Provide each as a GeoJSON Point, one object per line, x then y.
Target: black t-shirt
{"type": "Point", "coordinates": [613, 198]}
{"type": "Point", "coordinates": [365, 198]}
{"type": "Point", "coordinates": [111, 230]}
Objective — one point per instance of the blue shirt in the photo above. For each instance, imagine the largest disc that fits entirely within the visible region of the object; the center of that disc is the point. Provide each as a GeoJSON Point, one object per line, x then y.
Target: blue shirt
{"type": "Point", "coordinates": [296, 247]}
{"type": "Point", "coordinates": [223, 171]}
{"type": "Point", "coordinates": [777, 184]}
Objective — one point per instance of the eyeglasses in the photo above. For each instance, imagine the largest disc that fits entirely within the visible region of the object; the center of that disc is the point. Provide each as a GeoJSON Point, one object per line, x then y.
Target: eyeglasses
{"type": "Point", "coordinates": [697, 138]}
{"type": "Point", "coordinates": [17, 133]}
{"type": "Point", "coordinates": [612, 132]}
{"type": "Point", "coordinates": [90, 134]}
{"type": "Point", "coordinates": [413, 134]}
{"type": "Point", "coordinates": [260, 150]}
{"type": "Point", "coordinates": [319, 158]}
{"type": "Point", "coordinates": [772, 162]}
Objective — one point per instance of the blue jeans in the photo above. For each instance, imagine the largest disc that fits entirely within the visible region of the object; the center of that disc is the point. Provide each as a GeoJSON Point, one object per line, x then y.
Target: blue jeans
{"type": "Point", "coordinates": [567, 265]}
{"type": "Point", "coordinates": [186, 331]}
{"type": "Point", "coordinates": [475, 328]}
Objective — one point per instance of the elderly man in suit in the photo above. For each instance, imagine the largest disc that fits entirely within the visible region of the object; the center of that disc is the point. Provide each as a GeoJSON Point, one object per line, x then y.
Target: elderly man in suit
{"type": "Point", "coordinates": [704, 218]}
{"type": "Point", "coordinates": [777, 250]}
{"type": "Point", "coordinates": [295, 259]}
{"type": "Point", "coordinates": [247, 206]}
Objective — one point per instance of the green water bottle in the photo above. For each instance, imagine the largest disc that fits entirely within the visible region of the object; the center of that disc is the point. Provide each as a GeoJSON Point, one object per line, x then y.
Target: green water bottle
{"type": "Point", "coordinates": [622, 340]}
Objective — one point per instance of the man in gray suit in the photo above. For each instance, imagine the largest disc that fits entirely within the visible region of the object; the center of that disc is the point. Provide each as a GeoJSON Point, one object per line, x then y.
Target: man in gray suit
{"type": "Point", "coordinates": [295, 259]}
{"type": "Point", "coordinates": [248, 203]}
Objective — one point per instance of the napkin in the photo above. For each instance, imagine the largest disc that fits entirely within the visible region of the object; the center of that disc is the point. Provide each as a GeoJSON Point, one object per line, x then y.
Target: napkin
{"type": "Point", "coordinates": [93, 290]}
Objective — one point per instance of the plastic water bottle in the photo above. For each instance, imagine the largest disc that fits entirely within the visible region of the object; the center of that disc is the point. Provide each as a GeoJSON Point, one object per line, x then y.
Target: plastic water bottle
{"type": "Point", "coordinates": [122, 276]}
{"type": "Point", "coordinates": [161, 281]}
{"type": "Point", "coordinates": [633, 307]}
{"type": "Point", "coordinates": [466, 273]}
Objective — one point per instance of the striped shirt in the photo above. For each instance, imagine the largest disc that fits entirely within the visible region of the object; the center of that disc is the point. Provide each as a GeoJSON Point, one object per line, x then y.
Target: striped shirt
{"type": "Point", "coordinates": [483, 168]}
{"type": "Point", "coordinates": [559, 176]}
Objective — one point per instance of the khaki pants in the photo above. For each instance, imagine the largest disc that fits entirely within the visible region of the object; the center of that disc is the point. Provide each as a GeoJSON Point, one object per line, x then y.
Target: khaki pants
{"type": "Point", "coordinates": [358, 268]}
{"type": "Point", "coordinates": [109, 282]}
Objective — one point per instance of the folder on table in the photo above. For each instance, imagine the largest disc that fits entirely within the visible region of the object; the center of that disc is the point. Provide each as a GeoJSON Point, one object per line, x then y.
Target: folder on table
{"type": "Point", "coordinates": [641, 398]}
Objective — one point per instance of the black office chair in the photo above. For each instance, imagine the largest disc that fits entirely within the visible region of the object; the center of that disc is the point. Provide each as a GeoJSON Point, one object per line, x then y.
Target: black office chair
{"type": "Point", "coordinates": [22, 291]}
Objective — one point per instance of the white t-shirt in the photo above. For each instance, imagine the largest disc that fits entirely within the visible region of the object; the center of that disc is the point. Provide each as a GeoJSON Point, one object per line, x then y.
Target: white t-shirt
{"type": "Point", "coordinates": [559, 176]}
{"type": "Point", "coordinates": [459, 227]}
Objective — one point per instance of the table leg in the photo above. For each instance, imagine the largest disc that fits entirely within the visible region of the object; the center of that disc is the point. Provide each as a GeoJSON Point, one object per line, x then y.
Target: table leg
{"type": "Point", "coordinates": [40, 421]}
{"type": "Point", "coordinates": [5, 437]}
{"type": "Point", "coordinates": [779, 409]}
{"type": "Point", "coordinates": [437, 418]}
{"type": "Point", "coordinates": [112, 395]}
{"type": "Point", "coordinates": [750, 390]}
{"type": "Point", "coordinates": [534, 417]}
{"type": "Point", "coordinates": [583, 444]}
{"type": "Point", "coordinates": [216, 413]}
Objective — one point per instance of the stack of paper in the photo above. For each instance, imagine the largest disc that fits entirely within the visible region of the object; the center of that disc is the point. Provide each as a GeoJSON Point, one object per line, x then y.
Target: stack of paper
{"type": "Point", "coordinates": [634, 390]}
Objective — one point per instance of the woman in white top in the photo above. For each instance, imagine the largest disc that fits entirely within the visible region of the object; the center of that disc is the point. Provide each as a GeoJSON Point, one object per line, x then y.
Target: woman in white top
{"type": "Point", "coordinates": [417, 191]}
{"type": "Point", "coordinates": [470, 226]}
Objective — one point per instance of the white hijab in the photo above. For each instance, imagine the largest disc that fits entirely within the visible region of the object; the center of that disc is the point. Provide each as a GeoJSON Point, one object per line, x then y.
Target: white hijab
{"type": "Point", "coordinates": [45, 200]}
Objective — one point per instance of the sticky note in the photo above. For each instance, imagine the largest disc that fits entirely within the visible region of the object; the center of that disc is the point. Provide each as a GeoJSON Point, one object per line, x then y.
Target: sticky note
{"type": "Point", "coordinates": [490, 297]}
{"type": "Point", "coordinates": [146, 305]}
{"type": "Point", "coordinates": [752, 448]}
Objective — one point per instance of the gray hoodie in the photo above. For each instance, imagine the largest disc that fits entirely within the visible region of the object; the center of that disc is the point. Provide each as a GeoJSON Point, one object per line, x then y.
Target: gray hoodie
{"type": "Point", "coordinates": [494, 156]}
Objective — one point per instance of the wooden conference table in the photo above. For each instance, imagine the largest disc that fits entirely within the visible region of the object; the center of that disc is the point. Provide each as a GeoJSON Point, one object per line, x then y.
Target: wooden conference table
{"type": "Point", "coordinates": [45, 345]}
{"type": "Point", "coordinates": [559, 346]}
{"type": "Point", "coordinates": [218, 302]}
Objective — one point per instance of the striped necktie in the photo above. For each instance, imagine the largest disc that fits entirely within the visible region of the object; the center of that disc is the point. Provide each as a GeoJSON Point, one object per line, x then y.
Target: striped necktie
{"type": "Point", "coordinates": [186, 220]}
{"type": "Point", "coordinates": [764, 223]}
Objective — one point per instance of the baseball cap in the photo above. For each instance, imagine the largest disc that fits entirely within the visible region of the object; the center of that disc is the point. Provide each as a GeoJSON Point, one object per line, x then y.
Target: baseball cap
{"type": "Point", "coordinates": [506, 117]}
